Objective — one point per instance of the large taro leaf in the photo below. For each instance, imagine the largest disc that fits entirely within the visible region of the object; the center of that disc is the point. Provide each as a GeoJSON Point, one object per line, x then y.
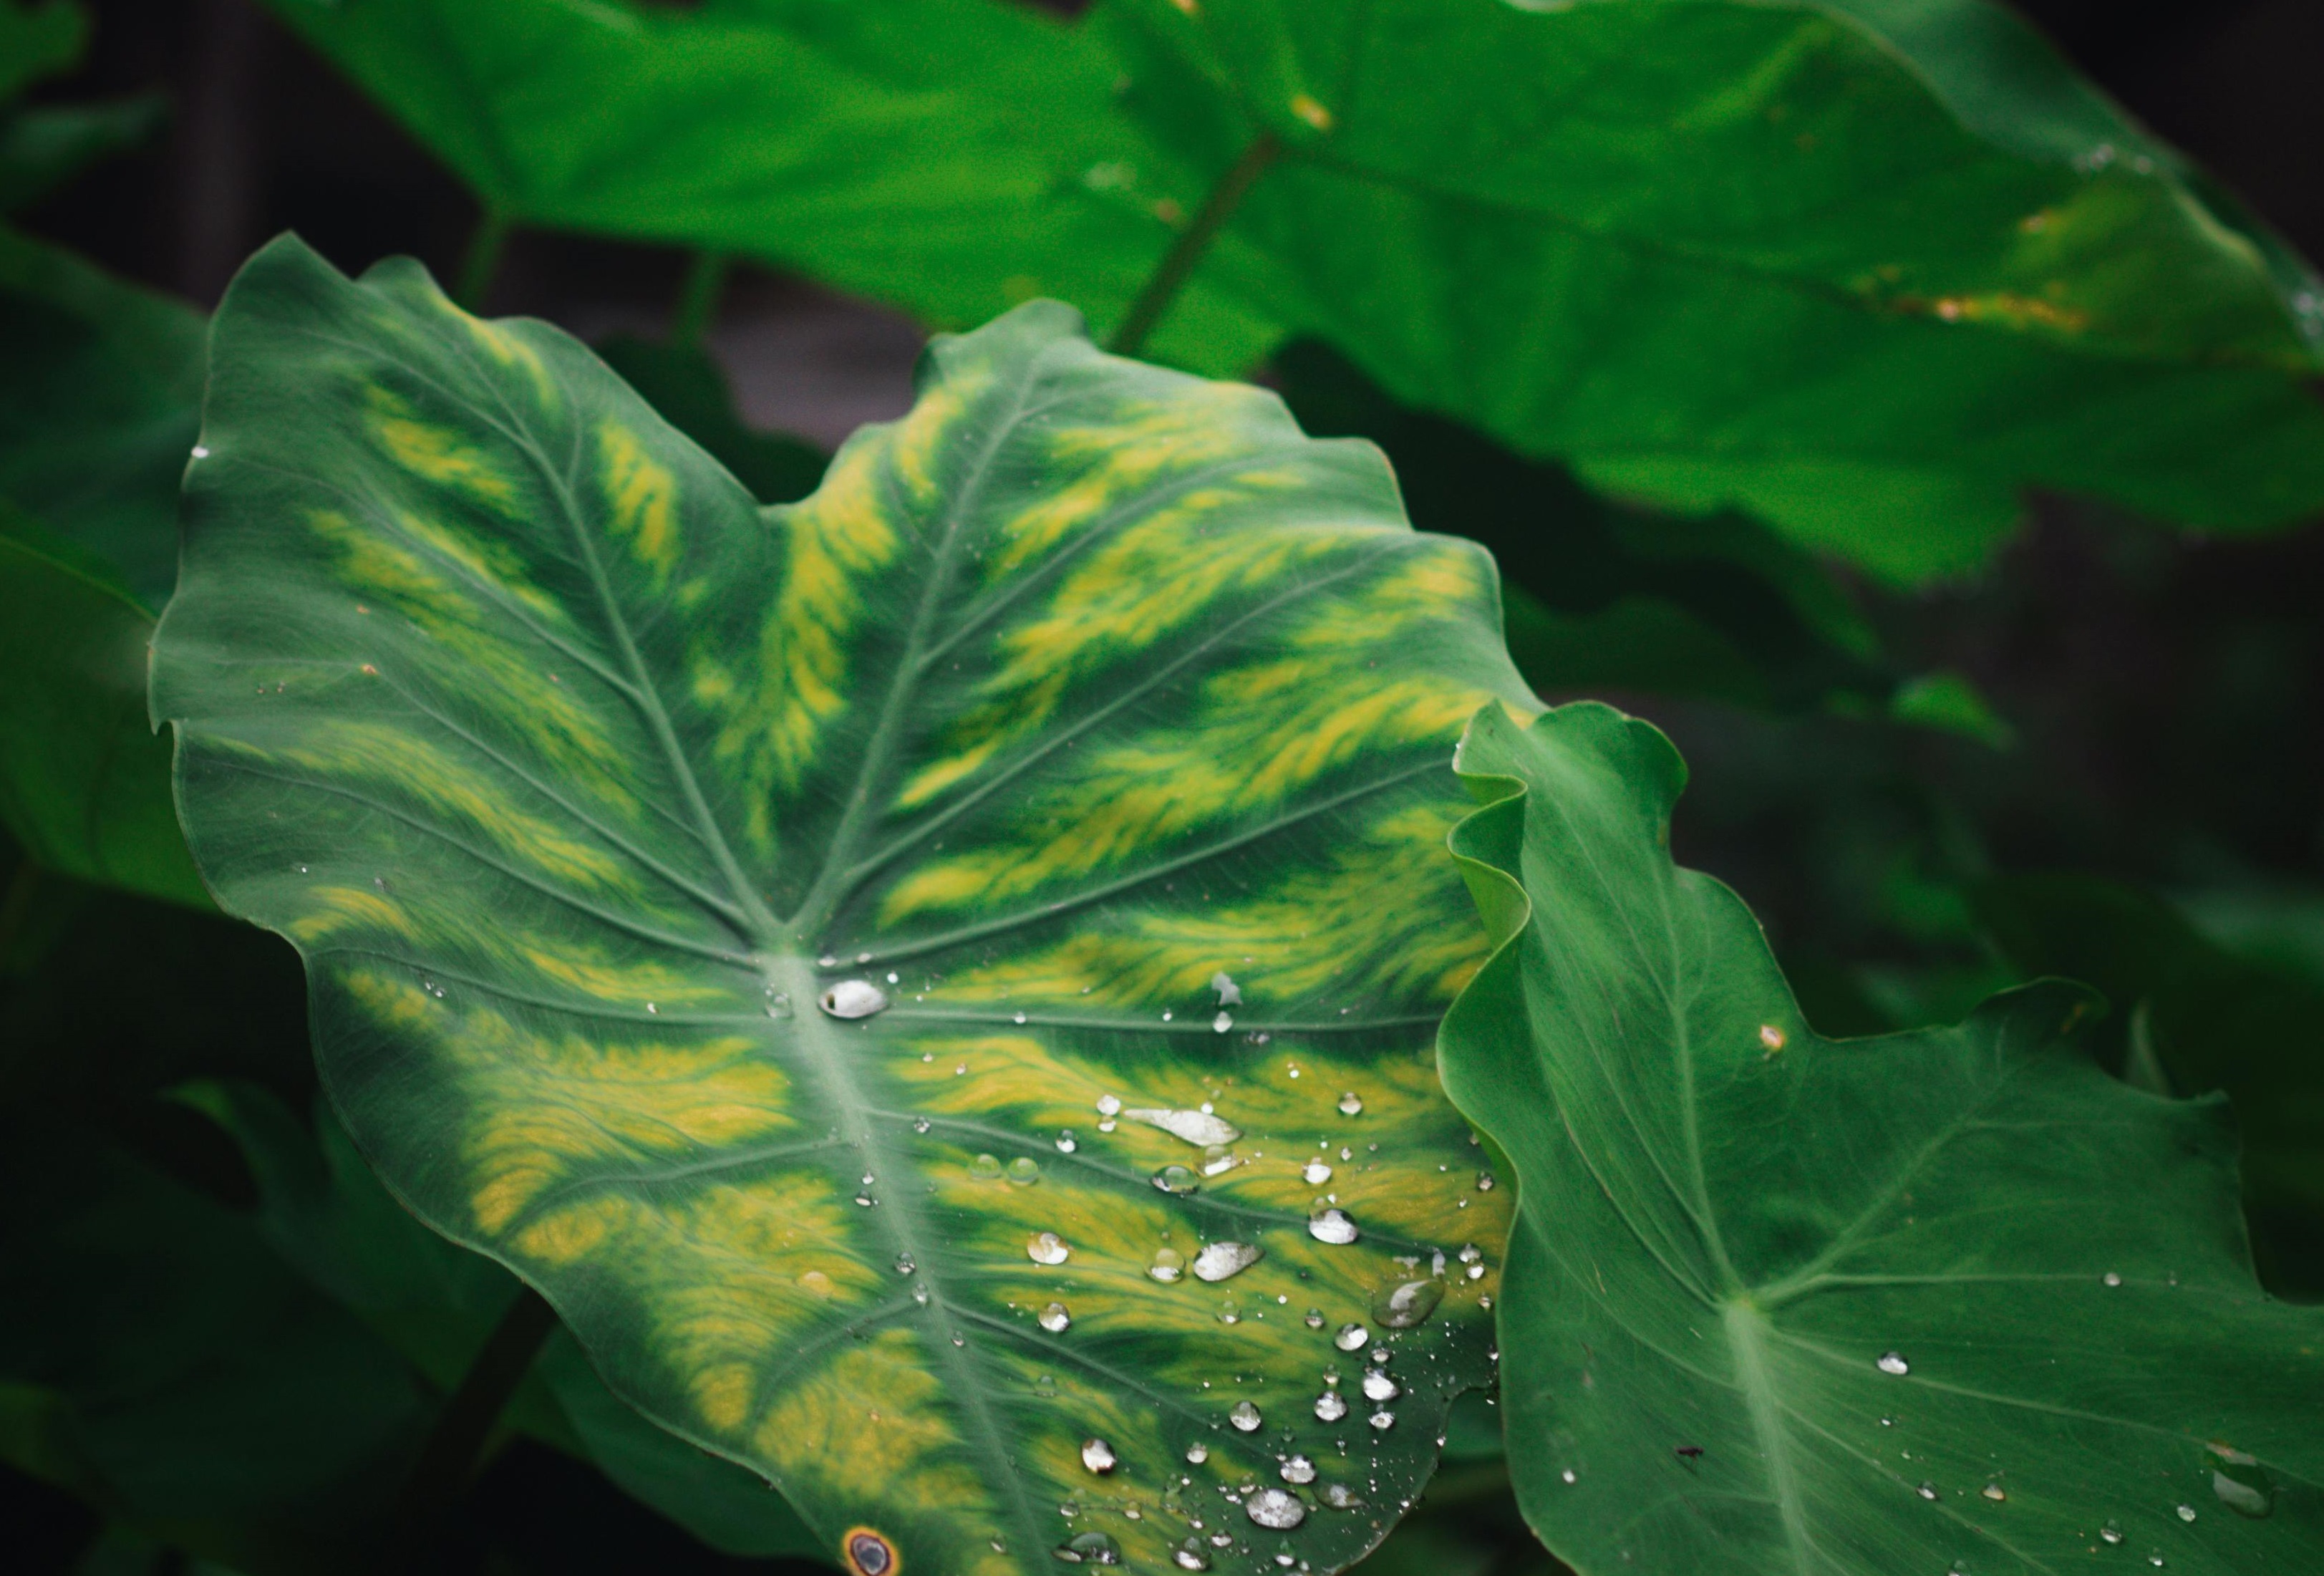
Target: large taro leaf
{"type": "Point", "coordinates": [1867, 268]}
{"type": "Point", "coordinates": [1092, 719]}
{"type": "Point", "coordinates": [97, 412]}
{"type": "Point", "coordinates": [1952, 1299]}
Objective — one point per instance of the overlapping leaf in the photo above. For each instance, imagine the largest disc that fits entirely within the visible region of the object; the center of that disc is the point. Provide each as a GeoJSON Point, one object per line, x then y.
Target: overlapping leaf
{"type": "Point", "coordinates": [870, 962]}
{"type": "Point", "coordinates": [97, 412]}
{"type": "Point", "coordinates": [1952, 1299]}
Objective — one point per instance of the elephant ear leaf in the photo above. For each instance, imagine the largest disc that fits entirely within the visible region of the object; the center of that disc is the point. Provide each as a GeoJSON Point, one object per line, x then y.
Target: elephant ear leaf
{"type": "Point", "coordinates": [1947, 1300]}
{"type": "Point", "coordinates": [935, 981]}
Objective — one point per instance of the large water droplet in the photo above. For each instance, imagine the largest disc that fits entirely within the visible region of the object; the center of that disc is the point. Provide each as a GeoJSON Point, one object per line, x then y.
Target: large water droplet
{"type": "Point", "coordinates": [1218, 1260]}
{"type": "Point", "coordinates": [1221, 1023]}
{"type": "Point", "coordinates": [1893, 1363]}
{"type": "Point", "coordinates": [1330, 1406]}
{"type": "Point", "coordinates": [1340, 1496]}
{"type": "Point", "coordinates": [1382, 1420]}
{"type": "Point", "coordinates": [853, 999]}
{"type": "Point", "coordinates": [1298, 1469]}
{"type": "Point", "coordinates": [1229, 994]}
{"type": "Point", "coordinates": [1244, 1416]}
{"type": "Point", "coordinates": [1350, 1104]}
{"type": "Point", "coordinates": [1216, 1159]}
{"type": "Point", "coordinates": [985, 1168]}
{"type": "Point", "coordinates": [1024, 1171]}
{"type": "Point", "coordinates": [1350, 1336]}
{"type": "Point", "coordinates": [1176, 1178]}
{"type": "Point", "coordinates": [1048, 1248]}
{"type": "Point", "coordinates": [1168, 1265]}
{"type": "Point", "coordinates": [1315, 1174]}
{"type": "Point", "coordinates": [1406, 1303]}
{"type": "Point", "coordinates": [1092, 1548]}
{"type": "Point", "coordinates": [2239, 1480]}
{"type": "Point", "coordinates": [1198, 1452]}
{"type": "Point", "coordinates": [1275, 1509]}
{"type": "Point", "coordinates": [1926, 1490]}
{"type": "Point", "coordinates": [1097, 1456]}
{"type": "Point", "coordinates": [1332, 1226]}
{"type": "Point", "coordinates": [2186, 1513]}
{"type": "Point", "coordinates": [1378, 1386]}
{"type": "Point", "coordinates": [1108, 1105]}
{"type": "Point", "coordinates": [1315, 1319]}
{"type": "Point", "coordinates": [1189, 1556]}
{"type": "Point", "coordinates": [1199, 1128]}
{"type": "Point", "coordinates": [1056, 1319]}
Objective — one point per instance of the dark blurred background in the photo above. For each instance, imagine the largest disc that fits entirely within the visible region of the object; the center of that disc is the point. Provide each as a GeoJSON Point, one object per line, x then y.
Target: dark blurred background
{"type": "Point", "coordinates": [2163, 693]}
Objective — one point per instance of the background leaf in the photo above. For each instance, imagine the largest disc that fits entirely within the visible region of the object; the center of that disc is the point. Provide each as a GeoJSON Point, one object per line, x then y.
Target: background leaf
{"type": "Point", "coordinates": [1071, 761]}
{"type": "Point", "coordinates": [1777, 1301]}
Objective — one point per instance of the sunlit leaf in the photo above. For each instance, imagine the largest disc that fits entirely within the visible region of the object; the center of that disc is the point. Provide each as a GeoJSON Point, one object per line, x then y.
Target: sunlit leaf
{"type": "Point", "coordinates": [804, 942]}
{"type": "Point", "coordinates": [1946, 1300]}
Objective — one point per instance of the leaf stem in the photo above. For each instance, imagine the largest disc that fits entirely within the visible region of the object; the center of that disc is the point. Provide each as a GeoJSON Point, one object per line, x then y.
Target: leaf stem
{"type": "Point", "coordinates": [450, 1457]}
{"type": "Point", "coordinates": [697, 298]}
{"type": "Point", "coordinates": [482, 261]}
{"type": "Point", "coordinates": [1170, 275]}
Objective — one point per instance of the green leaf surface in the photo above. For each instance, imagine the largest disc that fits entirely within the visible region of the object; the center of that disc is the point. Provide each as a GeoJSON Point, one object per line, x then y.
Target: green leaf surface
{"type": "Point", "coordinates": [690, 390]}
{"type": "Point", "coordinates": [1870, 284]}
{"type": "Point", "coordinates": [1951, 1299]}
{"type": "Point", "coordinates": [42, 149]}
{"type": "Point", "coordinates": [97, 412]}
{"type": "Point", "coordinates": [803, 941]}
{"type": "Point", "coordinates": [37, 41]}
{"type": "Point", "coordinates": [2208, 1020]}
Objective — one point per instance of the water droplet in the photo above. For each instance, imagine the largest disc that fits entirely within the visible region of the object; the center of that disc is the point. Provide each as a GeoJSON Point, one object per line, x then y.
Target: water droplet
{"type": "Point", "coordinates": [1218, 1260]}
{"type": "Point", "coordinates": [1350, 1104]}
{"type": "Point", "coordinates": [1470, 1253]}
{"type": "Point", "coordinates": [1298, 1469]}
{"type": "Point", "coordinates": [1995, 1492]}
{"type": "Point", "coordinates": [1016, 1018]}
{"type": "Point", "coordinates": [1067, 1143]}
{"type": "Point", "coordinates": [1244, 1416]}
{"type": "Point", "coordinates": [2111, 1532]}
{"type": "Point", "coordinates": [2155, 1559]}
{"type": "Point", "coordinates": [1056, 1319]}
{"type": "Point", "coordinates": [1772, 1037]}
{"type": "Point", "coordinates": [1378, 1386]}
{"type": "Point", "coordinates": [905, 1263]}
{"type": "Point", "coordinates": [1198, 1128]}
{"type": "Point", "coordinates": [853, 999]}
{"type": "Point", "coordinates": [1893, 1363]}
{"type": "Point", "coordinates": [1229, 994]}
{"type": "Point", "coordinates": [1168, 1265]}
{"type": "Point", "coordinates": [1350, 1336]}
{"type": "Point", "coordinates": [985, 1168]}
{"type": "Point", "coordinates": [1407, 1303]}
{"type": "Point", "coordinates": [1097, 1456]}
{"type": "Point", "coordinates": [921, 1295]}
{"type": "Point", "coordinates": [1382, 1420]}
{"type": "Point", "coordinates": [1107, 1105]}
{"type": "Point", "coordinates": [865, 1199]}
{"type": "Point", "coordinates": [1189, 1555]}
{"type": "Point", "coordinates": [1568, 1476]}
{"type": "Point", "coordinates": [1048, 1248]}
{"type": "Point", "coordinates": [1926, 1490]}
{"type": "Point", "coordinates": [1330, 1406]}
{"type": "Point", "coordinates": [2111, 1278]}
{"type": "Point", "coordinates": [1216, 1159]}
{"type": "Point", "coordinates": [1045, 1386]}
{"type": "Point", "coordinates": [1313, 113]}
{"type": "Point", "coordinates": [1179, 1179]}
{"type": "Point", "coordinates": [1221, 1023]}
{"type": "Point", "coordinates": [1024, 1171]}
{"type": "Point", "coordinates": [1090, 1548]}
{"type": "Point", "coordinates": [1332, 1226]}
{"type": "Point", "coordinates": [921, 1124]}
{"type": "Point", "coordinates": [2239, 1480]}
{"type": "Point", "coordinates": [1340, 1496]}
{"type": "Point", "coordinates": [1484, 1182]}
{"type": "Point", "coordinates": [1314, 1318]}
{"type": "Point", "coordinates": [1315, 1174]}
{"type": "Point", "coordinates": [2186, 1513]}
{"type": "Point", "coordinates": [1275, 1509]}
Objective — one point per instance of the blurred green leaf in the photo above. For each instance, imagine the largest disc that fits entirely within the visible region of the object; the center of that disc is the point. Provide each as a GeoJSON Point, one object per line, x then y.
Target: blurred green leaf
{"type": "Point", "coordinates": [1775, 1302]}
{"type": "Point", "coordinates": [1951, 703]}
{"type": "Point", "coordinates": [2208, 1020]}
{"type": "Point", "coordinates": [690, 392]}
{"type": "Point", "coordinates": [42, 149]}
{"type": "Point", "coordinates": [37, 41]}
{"type": "Point", "coordinates": [96, 413]}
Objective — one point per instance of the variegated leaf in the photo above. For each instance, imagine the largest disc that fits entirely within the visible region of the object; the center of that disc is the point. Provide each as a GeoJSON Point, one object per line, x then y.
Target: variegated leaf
{"type": "Point", "coordinates": [924, 979]}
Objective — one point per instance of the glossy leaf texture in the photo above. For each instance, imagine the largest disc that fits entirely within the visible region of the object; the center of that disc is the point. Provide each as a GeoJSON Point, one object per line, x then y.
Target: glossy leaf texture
{"type": "Point", "coordinates": [911, 974]}
{"type": "Point", "coordinates": [96, 413]}
{"type": "Point", "coordinates": [1869, 271]}
{"type": "Point", "coordinates": [1952, 1299]}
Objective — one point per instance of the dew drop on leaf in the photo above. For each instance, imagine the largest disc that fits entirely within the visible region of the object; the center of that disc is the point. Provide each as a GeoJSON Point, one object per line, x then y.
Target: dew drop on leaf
{"type": "Point", "coordinates": [1048, 1248]}
{"type": "Point", "coordinates": [1407, 1303]}
{"type": "Point", "coordinates": [1056, 1319]}
{"type": "Point", "coordinates": [1024, 1171]}
{"type": "Point", "coordinates": [1330, 1406]}
{"type": "Point", "coordinates": [1067, 1143]}
{"type": "Point", "coordinates": [1340, 1496]}
{"type": "Point", "coordinates": [2241, 1483]}
{"type": "Point", "coordinates": [1995, 1492]}
{"type": "Point", "coordinates": [985, 1168]}
{"type": "Point", "coordinates": [1199, 1128]}
{"type": "Point", "coordinates": [1275, 1509]}
{"type": "Point", "coordinates": [1107, 1105]}
{"type": "Point", "coordinates": [1314, 1318]}
{"type": "Point", "coordinates": [1382, 1420]}
{"type": "Point", "coordinates": [1189, 1555]}
{"type": "Point", "coordinates": [1315, 1174]}
{"type": "Point", "coordinates": [2111, 1532]}
{"type": "Point", "coordinates": [1229, 994]}
{"type": "Point", "coordinates": [1167, 1265]}
{"type": "Point", "coordinates": [1198, 1452]}
{"type": "Point", "coordinates": [1244, 1416]}
{"type": "Point", "coordinates": [1091, 1548]}
{"type": "Point", "coordinates": [1177, 1179]}
{"type": "Point", "coordinates": [853, 999]}
{"type": "Point", "coordinates": [1097, 1456]}
{"type": "Point", "coordinates": [1332, 1226]}
{"type": "Point", "coordinates": [1350, 1104]}
{"type": "Point", "coordinates": [1350, 1336]}
{"type": "Point", "coordinates": [1378, 1386]}
{"type": "Point", "coordinates": [1298, 1469]}
{"type": "Point", "coordinates": [1218, 1260]}
{"type": "Point", "coordinates": [2186, 1513]}
{"type": "Point", "coordinates": [1894, 1363]}
{"type": "Point", "coordinates": [1926, 1490]}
